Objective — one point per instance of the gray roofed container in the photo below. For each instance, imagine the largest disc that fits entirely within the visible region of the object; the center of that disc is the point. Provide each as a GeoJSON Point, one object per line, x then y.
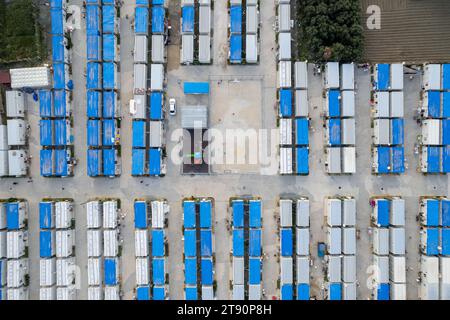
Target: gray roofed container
{"type": "Point", "coordinates": [397, 241]}
{"type": "Point", "coordinates": [302, 237]}
{"type": "Point", "coordinates": [286, 213]}
{"type": "Point", "coordinates": [187, 49]}
{"type": "Point", "coordinates": [157, 77]}
{"type": "Point", "coordinates": [140, 78]}
{"type": "Point", "coordinates": [334, 269]}
{"type": "Point", "coordinates": [301, 103]}
{"type": "Point", "coordinates": [284, 41]}
{"type": "Point", "coordinates": [238, 270]}
{"type": "Point", "coordinates": [204, 49]}
{"type": "Point", "coordinates": [348, 76]}
{"type": "Point", "coordinates": [156, 133]}
{"type": "Point", "coordinates": [302, 219]}
{"type": "Point", "coordinates": [254, 292]}
{"type": "Point", "coordinates": [284, 18]}
{"type": "Point", "coordinates": [204, 20]}
{"type": "Point", "coordinates": [349, 215]}
{"type": "Point", "coordinates": [238, 292]}
{"type": "Point", "coordinates": [140, 49]}
{"type": "Point", "coordinates": [334, 160]}
{"type": "Point", "coordinates": [301, 75]}
{"type": "Point", "coordinates": [286, 270]}
{"type": "Point", "coordinates": [349, 268]}
{"type": "Point", "coordinates": [349, 240]}
{"type": "Point", "coordinates": [381, 241]}
{"type": "Point", "coordinates": [334, 241]}
{"type": "Point", "coordinates": [302, 270]}
{"type": "Point", "coordinates": [158, 55]}
{"type": "Point", "coordinates": [251, 52]}
{"type": "Point", "coordinates": [251, 19]}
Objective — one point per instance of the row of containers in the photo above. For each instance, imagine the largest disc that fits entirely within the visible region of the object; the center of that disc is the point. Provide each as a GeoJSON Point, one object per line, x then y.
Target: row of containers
{"type": "Point", "coordinates": [196, 31]}
{"type": "Point", "coordinates": [151, 248]}
{"type": "Point", "coordinates": [387, 99]}
{"type": "Point", "coordinates": [57, 266]}
{"type": "Point", "coordinates": [103, 106]}
{"type": "Point", "coordinates": [434, 115]}
{"type": "Point", "coordinates": [293, 111]}
{"type": "Point", "coordinates": [14, 160]}
{"type": "Point", "coordinates": [55, 105]}
{"type": "Point", "coordinates": [146, 107]}
{"type": "Point", "coordinates": [339, 118]}
{"type": "Point", "coordinates": [104, 249]}
{"type": "Point", "coordinates": [14, 262]}
{"type": "Point", "coordinates": [340, 258]}
{"type": "Point", "coordinates": [243, 31]}
{"type": "Point", "coordinates": [434, 248]}
{"type": "Point", "coordinates": [388, 247]}
{"type": "Point", "coordinates": [199, 258]}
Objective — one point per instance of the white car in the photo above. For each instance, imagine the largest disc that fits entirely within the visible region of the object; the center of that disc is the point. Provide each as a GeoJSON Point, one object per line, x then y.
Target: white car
{"type": "Point", "coordinates": [172, 106]}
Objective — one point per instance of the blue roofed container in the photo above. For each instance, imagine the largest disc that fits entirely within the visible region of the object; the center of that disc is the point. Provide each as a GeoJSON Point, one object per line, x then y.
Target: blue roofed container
{"type": "Point", "coordinates": [335, 291]}
{"type": "Point", "coordinates": [255, 214]}
{"type": "Point", "coordinates": [190, 240]}
{"type": "Point", "coordinates": [434, 104]}
{"type": "Point", "coordinates": [187, 19]}
{"type": "Point", "coordinates": [189, 214]}
{"type": "Point", "coordinates": [140, 215]}
{"type": "Point", "coordinates": [382, 212]}
{"type": "Point", "coordinates": [302, 126]}
{"type": "Point", "coordinates": [143, 293]}
{"type": "Point", "coordinates": [206, 246]}
{"type": "Point", "coordinates": [46, 162]}
{"type": "Point", "coordinates": [236, 19]}
{"type": "Point", "coordinates": [207, 272]}
{"type": "Point", "coordinates": [205, 213]}
{"type": "Point", "coordinates": [446, 76]}
{"type": "Point", "coordinates": [109, 131]}
{"type": "Point", "coordinates": [196, 88]}
{"type": "Point", "coordinates": [433, 159]}
{"type": "Point", "coordinates": [46, 132]}
{"type": "Point", "coordinates": [158, 247]}
{"type": "Point", "coordinates": [158, 2]}
{"type": "Point", "coordinates": [138, 134]}
{"type": "Point", "coordinates": [254, 243]}
{"type": "Point", "coordinates": [286, 102]}
{"type": "Point", "coordinates": [156, 106]}
{"type": "Point", "coordinates": [46, 215]}
{"type": "Point", "coordinates": [93, 20]}
{"type": "Point", "coordinates": [59, 49]}
{"type": "Point", "coordinates": [303, 291]}
{"type": "Point", "coordinates": [446, 159]}
{"type": "Point", "coordinates": [45, 103]}
{"type": "Point", "coordinates": [57, 21]}
{"type": "Point", "coordinates": [238, 213]}
{"type": "Point", "coordinates": [383, 291]}
{"type": "Point", "coordinates": [445, 209]}
{"type": "Point", "coordinates": [94, 162]}
{"type": "Point", "coordinates": [58, 4]}
{"type": "Point", "coordinates": [383, 76]}
{"type": "Point", "coordinates": [238, 243]}
{"type": "Point", "coordinates": [159, 293]}
{"type": "Point", "coordinates": [286, 239]}
{"type": "Point", "coordinates": [190, 269]}
{"type": "Point", "coordinates": [287, 292]}
{"type": "Point", "coordinates": [16, 215]}
{"type": "Point", "coordinates": [93, 133]}
{"type": "Point", "coordinates": [236, 48]}
{"type": "Point", "coordinates": [62, 158]}
{"type": "Point", "coordinates": [110, 104]}
{"type": "Point", "coordinates": [254, 271]}
{"type": "Point", "coordinates": [138, 167]}
{"type": "Point", "coordinates": [93, 47]}
{"type": "Point", "coordinates": [46, 243]}
{"type": "Point", "coordinates": [110, 168]}
{"type": "Point", "coordinates": [445, 243]}
{"type": "Point", "coordinates": [334, 132]}
{"type": "Point", "coordinates": [62, 132]}
{"type": "Point", "coordinates": [333, 103]}
{"type": "Point", "coordinates": [59, 76]}
{"type": "Point", "coordinates": [191, 293]}
{"type": "Point", "coordinates": [111, 270]}
{"type": "Point", "coordinates": [110, 78]}
{"type": "Point", "coordinates": [109, 24]}
{"type": "Point", "coordinates": [61, 103]}
{"type": "Point", "coordinates": [141, 20]}
{"type": "Point", "coordinates": [143, 2]}
{"type": "Point", "coordinates": [302, 160]}
{"type": "Point", "coordinates": [430, 241]}
{"type": "Point", "coordinates": [93, 77]}
{"type": "Point", "coordinates": [384, 159]}
{"type": "Point", "coordinates": [397, 131]}
{"type": "Point", "coordinates": [94, 102]}
{"type": "Point", "coordinates": [398, 160]}
{"type": "Point", "coordinates": [446, 132]}
{"type": "Point", "coordinates": [446, 104]}
{"type": "Point", "coordinates": [431, 213]}
{"type": "Point", "coordinates": [158, 15]}
{"type": "Point", "coordinates": [155, 162]}
{"type": "Point", "coordinates": [110, 52]}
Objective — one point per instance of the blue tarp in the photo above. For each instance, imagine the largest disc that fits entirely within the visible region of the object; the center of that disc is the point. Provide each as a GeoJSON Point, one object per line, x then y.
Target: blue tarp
{"type": "Point", "coordinates": [287, 292]}
{"type": "Point", "coordinates": [255, 213]}
{"type": "Point", "coordinates": [383, 291]}
{"type": "Point", "coordinates": [445, 208]}
{"type": "Point", "coordinates": [93, 47]}
{"type": "Point", "coordinates": [433, 159]}
{"type": "Point", "coordinates": [138, 134]}
{"type": "Point", "coordinates": [446, 104]}
{"type": "Point", "coordinates": [45, 244]}
{"type": "Point", "coordinates": [446, 132]}
{"type": "Point", "coordinates": [446, 159]}
{"type": "Point", "coordinates": [60, 132]}
{"type": "Point", "coordinates": [92, 20]}
{"type": "Point", "coordinates": [190, 266]}
{"type": "Point", "coordinates": [235, 48]}
{"type": "Point", "coordinates": [61, 166]}
{"type": "Point", "coordinates": [109, 132]}
{"type": "Point", "coordinates": [46, 129]}
{"type": "Point", "coordinates": [206, 249]}
{"type": "Point", "coordinates": [383, 212]}
{"type": "Point", "coordinates": [59, 77]}
{"type": "Point", "coordinates": [335, 291]}
{"type": "Point", "coordinates": [207, 272]}
{"type": "Point", "coordinates": [93, 104]}
{"type": "Point", "coordinates": [93, 80]}
{"type": "Point", "coordinates": [189, 214]}
{"type": "Point", "coordinates": [238, 213]}
{"type": "Point", "coordinates": [141, 20]}
{"type": "Point", "coordinates": [196, 88]}
{"type": "Point", "coordinates": [446, 76]}
{"type": "Point", "coordinates": [397, 131]}
{"type": "Point", "coordinates": [254, 243]}
{"type": "Point", "coordinates": [302, 163]}
{"type": "Point", "coordinates": [57, 21]}
{"type": "Point", "coordinates": [384, 159]}
{"type": "Point", "coordinates": [398, 160]}
{"type": "Point", "coordinates": [45, 103]}
{"type": "Point", "coordinates": [205, 214]}
{"type": "Point", "coordinates": [158, 243]}
{"type": "Point", "coordinates": [154, 162]}
{"type": "Point", "coordinates": [187, 16]}
{"type": "Point", "coordinates": [334, 127]}
{"type": "Point", "coordinates": [236, 19]}
{"type": "Point", "coordinates": [109, 47]}
{"type": "Point", "coordinates": [58, 48]}
{"type": "Point", "coordinates": [46, 215]}
{"type": "Point", "coordinates": [334, 105]}
{"type": "Point", "coordinates": [432, 241]}
{"type": "Point", "coordinates": [140, 215]}
{"type": "Point", "coordinates": [109, 104]}
{"type": "Point", "coordinates": [434, 104]}
{"type": "Point", "coordinates": [155, 106]}
{"type": "Point", "coordinates": [190, 244]}
{"type": "Point", "coordinates": [93, 162]}
{"type": "Point", "coordinates": [12, 216]}
{"type": "Point", "coordinates": [109, 81]}
{"type": "Point", "coordinates": [60, 106]}
{"type": "Point", "coordinates": [238, 243]}
{"type": "Point", "coordinates": [445, 242]}
{"type": "Point", "coordinates": [384, 75]}
{"type": "Point", "coordinates": [303, 291]}
{"type": "Point", "coordinates": [159, 274]}
{"type": "Point", "coordinates": [158, 15]}
{"type": "Point", "coordinates": [254, 270]}
{"type": "Point", "coordinates": [159, 293]}
{"type": "Point", "coordinates": [138, 162]}
{"type": "Point", "coordinates": [286, 102]}
{"type": "Point", "coordinates": [109, 15]}
{"type": "Point", "coordinates": [286, 243]}
{"type": "Point", "coordinates": [46, 162]}
{"type": "Point", "coordinates": [93, 133]}
{"type": "Point", "coordinates": [302, 126]}
{"type": "Point", "coordinates": [143, 293]}
{"type": "Point", "coordinates": [191, 293]}
{"type": "Point", "coordinates": [109, 165]}
{"type": "Point", "coordinates": [111, 272]}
